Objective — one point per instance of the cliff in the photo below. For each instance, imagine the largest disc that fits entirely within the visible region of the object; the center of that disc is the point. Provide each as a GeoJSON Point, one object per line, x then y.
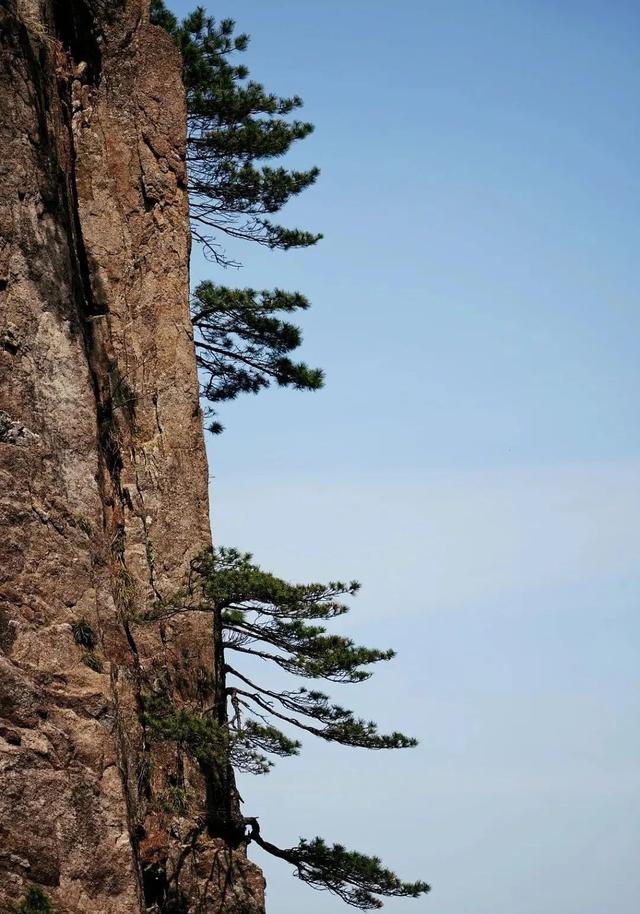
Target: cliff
{"type": "Point", "coordinates": [103, 476]}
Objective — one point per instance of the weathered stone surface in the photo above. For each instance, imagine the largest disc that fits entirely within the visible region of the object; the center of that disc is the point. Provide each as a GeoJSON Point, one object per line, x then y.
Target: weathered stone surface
{"type": "Point", "coordinates": [103, 479]}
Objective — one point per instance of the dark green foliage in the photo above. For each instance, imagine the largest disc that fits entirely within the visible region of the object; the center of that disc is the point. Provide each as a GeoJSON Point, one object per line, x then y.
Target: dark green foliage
{"type": "Point", "coordinates": [338, 725]}
{"type": "Point", "coordinates": [259, 614]}
{"type": "Point", "coordinates": [201, 738]}
{"type": "Point", "coordinates": [234, 124]}
{"type": "Point", "coordinates": [212, 745]}
{"type": "Point", "coordinates": [354, 877]}
{"type": "Point", "coordinates": [83, 634]}
{"type": "Point", "coordinates": [250, 737]}
{"type": "Point", "coordinates": [243, 347]}
{"type": "Point", "coordinates": [36, 901]}
{"type": "Point", "coordinates": [176, 799]}
{"type": "Point", "coordinates": [94, 663]}
{"type": "Point", "coordinates": [265, 616]}
{"type": "Point", "coordinates": [161, 16]}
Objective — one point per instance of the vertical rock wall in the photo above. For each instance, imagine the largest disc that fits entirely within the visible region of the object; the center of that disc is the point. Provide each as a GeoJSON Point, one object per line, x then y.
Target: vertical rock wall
{"type": "Point", "coordinates": [103, 478]}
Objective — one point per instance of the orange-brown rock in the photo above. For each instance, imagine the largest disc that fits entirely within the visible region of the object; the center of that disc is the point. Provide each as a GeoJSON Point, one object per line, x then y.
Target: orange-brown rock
{"type": "Point", "coordinates": [103, 477]}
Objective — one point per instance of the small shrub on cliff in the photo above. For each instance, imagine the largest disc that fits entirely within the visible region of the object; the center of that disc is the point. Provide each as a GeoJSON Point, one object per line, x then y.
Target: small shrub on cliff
{"type": "Point", "coordinates": [176, 799]}
{"type": "Point", "coordinates": [83, 522]}
{"type": "Point", "coordinates": [83, 634]}
{"type": "Point", "coordinates": [36, 901]}
{"type": "Point", "coordinates": [94, 663]}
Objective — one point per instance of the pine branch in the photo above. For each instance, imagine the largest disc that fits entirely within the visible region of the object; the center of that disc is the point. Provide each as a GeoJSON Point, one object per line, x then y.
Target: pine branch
{"type": "Point", "coordinates": [353, 877]}
{"type": "Point", "coordinates": [242, 346]}
{"type": "Point", "coordinates": [340, 726]}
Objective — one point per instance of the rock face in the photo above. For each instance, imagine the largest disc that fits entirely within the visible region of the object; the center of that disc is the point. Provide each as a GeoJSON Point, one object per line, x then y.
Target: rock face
{"type": "Point", "coordinates": [103, 477]}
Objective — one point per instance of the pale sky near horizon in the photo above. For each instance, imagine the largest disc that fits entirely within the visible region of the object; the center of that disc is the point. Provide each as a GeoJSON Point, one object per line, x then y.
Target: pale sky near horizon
{"type": "Point", "coordinates": [475, 457]}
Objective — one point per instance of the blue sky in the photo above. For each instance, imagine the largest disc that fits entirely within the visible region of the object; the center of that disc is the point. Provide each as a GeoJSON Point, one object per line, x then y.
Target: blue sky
{"type": "Point", "coordinates": [475, 457]}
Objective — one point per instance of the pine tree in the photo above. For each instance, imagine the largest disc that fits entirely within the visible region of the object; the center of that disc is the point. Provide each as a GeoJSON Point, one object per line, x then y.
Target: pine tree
{"type": "Point", "coordinates": [234, 125]}
{"type": "Point", "coordinates": [257, 614]}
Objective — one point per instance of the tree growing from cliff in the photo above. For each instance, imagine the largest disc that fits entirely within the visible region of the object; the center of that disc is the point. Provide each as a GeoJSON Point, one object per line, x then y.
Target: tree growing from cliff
{"type": "Point", "coordinates": [260, 616]}
{"type": "Point", "coordinates": [234, 127]}
{"type": "Point", "coordinates": [234, 124]}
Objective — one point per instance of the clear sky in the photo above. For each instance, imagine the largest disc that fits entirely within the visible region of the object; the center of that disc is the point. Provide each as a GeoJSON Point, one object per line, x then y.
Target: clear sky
{"type": "Point", "coordinates": [475, 457]}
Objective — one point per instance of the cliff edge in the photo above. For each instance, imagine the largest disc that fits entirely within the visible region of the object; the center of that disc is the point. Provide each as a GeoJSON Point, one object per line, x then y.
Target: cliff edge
{"type": "Point", "coordinates": [103, 475]}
